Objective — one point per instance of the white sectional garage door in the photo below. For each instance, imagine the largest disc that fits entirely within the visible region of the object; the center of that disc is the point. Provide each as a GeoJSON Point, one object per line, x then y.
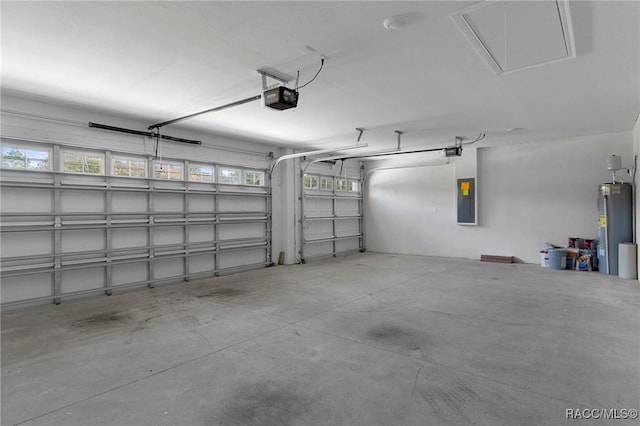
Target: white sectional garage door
{"type": "Point", "coordinates": [332, 206]}
{"type": "Point", "coordinates": [79, 221]}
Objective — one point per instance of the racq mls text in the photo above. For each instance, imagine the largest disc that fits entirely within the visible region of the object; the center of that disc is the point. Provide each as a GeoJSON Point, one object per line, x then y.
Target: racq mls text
{"type": "Point", "coordinates": [601, 413]}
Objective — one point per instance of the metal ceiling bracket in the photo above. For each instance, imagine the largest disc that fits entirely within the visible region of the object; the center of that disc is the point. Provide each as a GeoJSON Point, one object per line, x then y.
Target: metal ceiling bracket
{"type": "Point", "coordinates": [273, 74]}
{"type": "Point", "coordinates": [399, 132]}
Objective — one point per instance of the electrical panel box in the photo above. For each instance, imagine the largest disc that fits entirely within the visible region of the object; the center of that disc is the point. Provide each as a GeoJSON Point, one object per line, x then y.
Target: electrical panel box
{"type": "Point", "coordinates": [467, 201]}
{"type": "Point", "coordinates": [280, 98]}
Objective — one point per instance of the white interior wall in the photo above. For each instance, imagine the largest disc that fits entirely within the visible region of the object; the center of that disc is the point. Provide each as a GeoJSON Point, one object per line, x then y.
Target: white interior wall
{"type": "Point", "coordinates": [528, 194]}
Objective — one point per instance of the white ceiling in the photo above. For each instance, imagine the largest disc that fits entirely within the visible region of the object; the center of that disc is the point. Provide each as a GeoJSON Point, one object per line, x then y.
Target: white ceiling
{"type": "Point", "coordinates": [162, 60]}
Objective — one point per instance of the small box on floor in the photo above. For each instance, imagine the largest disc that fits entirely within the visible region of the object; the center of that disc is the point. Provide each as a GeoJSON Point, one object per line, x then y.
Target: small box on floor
{"type": "Point", "coordinates": [584, 263]}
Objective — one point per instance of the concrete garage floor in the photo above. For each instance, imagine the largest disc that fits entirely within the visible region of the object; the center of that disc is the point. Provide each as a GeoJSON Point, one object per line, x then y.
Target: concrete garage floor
{"type": "Point", "coordinates": [370, 339]}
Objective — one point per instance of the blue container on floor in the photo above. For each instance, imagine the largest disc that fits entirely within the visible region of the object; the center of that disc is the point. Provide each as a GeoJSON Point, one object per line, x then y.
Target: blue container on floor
{"type": "Point", "coordinates": [557, 259]}
{"type": "Point", "coordinates": [594, 257]}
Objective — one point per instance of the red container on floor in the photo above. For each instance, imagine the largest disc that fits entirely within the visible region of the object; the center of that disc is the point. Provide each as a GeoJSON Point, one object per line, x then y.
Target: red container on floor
{"type": "Point", "coordinates": [574, 242]}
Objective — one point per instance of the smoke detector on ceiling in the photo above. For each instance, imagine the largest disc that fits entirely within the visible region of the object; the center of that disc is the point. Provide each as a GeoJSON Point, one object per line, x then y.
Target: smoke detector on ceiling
{"type": "Point", "coordinates": [395, 22]}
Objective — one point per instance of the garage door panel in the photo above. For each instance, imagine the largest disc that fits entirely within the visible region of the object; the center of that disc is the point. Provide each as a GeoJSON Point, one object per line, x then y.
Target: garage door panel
{"type": "Point", "coordinates": [38, 243]}
{"type": "Point", "coordinates": [82, 201]}
{"type": "Point", "coordinates": [129, 238]}
{"type": "Point", "coordinates": [129, 202]}
{"type": "Point", "coordinates": [249, 204]}
{"type": "Point", "coordinates": [318, 207]}
{"type": "Point", "coordinates": [83, 240]}
{"type": "Point", "coordinates": [201, 233]}
{"type": "Point", "coordinates": [201, 263]}
{"type": "Point", "coordinates": [240, 258]}
{"type": "Point", "coordinates": [168, 235]}
{"type": "Point", "coordinates": [318, 229]}
{"type": "Point", "coordinates": [83, 279]}
{"type": "Point", "coordinates": [318, 250]}
{"type": "Point", "coordinates": [201, 203]}
{"type": "Point", "coordinates": [347, 245]}
{"type": "Point", "coordinates": [129, 273]}
{"type": "Point", "coordinates": [168, 203]}
{"type": "Point", "coordinates": [347, 207]}
{"type": "Point", "coordinates": [245, 230]}
{"type": "Point", "coordinates": [33, 200]}
{"type": "Point", "coordinates": [347, 227]}
{"type": "Point", "coordinates": [26, 287]}
{"type": "Point", "coordinates": [168, 267]}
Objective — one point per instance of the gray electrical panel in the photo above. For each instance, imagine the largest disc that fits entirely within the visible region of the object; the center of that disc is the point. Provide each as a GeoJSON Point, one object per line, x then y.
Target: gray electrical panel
{"type": "Point", "coordinates": [467, 201]}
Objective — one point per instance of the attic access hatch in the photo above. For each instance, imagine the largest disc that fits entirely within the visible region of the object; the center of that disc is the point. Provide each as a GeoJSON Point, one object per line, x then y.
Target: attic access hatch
{"type": "Point", "coordinates": [516, 35]}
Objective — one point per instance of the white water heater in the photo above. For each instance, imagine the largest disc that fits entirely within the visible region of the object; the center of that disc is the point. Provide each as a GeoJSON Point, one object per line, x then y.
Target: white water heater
{"type": "Point", "coordinates": [615, 206]}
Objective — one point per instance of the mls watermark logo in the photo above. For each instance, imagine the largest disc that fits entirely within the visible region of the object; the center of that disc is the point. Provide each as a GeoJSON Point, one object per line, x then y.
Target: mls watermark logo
{"type": "Point", "coordinates": [601, 413]}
